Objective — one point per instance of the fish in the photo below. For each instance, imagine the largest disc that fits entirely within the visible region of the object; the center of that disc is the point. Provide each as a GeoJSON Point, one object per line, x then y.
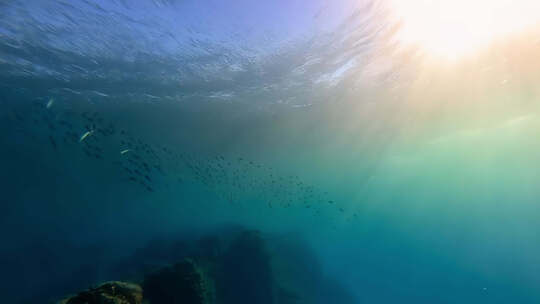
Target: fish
{"type": "Point", "coordinates": [125, 151]}
{"type": "Point", "coordinates": [85, 135]}
{"type": "Point", "coordinates": [53, 142]}
{"type": "Point", "coordinates": [100, 94]}
{"type": "Point", "coordinates": [50, 103]}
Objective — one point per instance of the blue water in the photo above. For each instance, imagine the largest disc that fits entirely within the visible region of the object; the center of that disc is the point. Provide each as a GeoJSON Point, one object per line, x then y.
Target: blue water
{"type": "Point", "coordinates": [124, 125]}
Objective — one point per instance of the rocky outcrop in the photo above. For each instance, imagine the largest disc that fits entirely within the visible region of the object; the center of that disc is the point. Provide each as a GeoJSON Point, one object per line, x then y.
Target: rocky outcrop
{"type": "Point", "coordinates": [245, 274]}
{"type": "Point", "coordinates": [242, 267]}
{"type": "Point", "coordinates": [108, 293]}
{"type": "Point", "coordinates": [186, 282]}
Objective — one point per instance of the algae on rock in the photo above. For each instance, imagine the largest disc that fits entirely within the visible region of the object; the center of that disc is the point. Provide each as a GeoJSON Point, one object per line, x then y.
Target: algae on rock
{"type": "Point", "coordinates": [108, 293]}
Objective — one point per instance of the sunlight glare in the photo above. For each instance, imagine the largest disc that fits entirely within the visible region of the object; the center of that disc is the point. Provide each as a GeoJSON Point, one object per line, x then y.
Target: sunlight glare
{"type": "Point", "coordinates": [452, 28]}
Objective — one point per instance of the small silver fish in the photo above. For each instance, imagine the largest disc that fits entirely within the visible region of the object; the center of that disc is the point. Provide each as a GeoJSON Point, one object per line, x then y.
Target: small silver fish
{"type": "Point", "coordinates": [85, 135]}
{"type": "Point", "coordinates": [125, 151]}
{"type": "Point", "coordinates": [50, 103]}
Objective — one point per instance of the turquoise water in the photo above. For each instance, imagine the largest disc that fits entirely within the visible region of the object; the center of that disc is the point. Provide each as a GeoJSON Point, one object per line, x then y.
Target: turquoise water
{"type": "Point", "coordinates": [411, 181]}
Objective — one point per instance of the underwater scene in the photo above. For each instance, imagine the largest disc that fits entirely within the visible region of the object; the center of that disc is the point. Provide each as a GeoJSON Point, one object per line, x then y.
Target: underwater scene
{"type": "Point", "coordinates": [273, 152]}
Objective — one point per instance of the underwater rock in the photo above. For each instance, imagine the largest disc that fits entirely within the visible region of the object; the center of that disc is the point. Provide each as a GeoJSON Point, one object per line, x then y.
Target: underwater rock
{"type": "Point", "coordinates": [233, 267]}
{"type": "Point", "coordinates": [245, 274]}
{"type": "Point", "coordinates": [109, 293]}
{"type": "Point", "coordinates": [209, 246]}
{"type": "Point", "coordinates": [299, 276]}
{"type": "Point", "coordinates": [186, 282]}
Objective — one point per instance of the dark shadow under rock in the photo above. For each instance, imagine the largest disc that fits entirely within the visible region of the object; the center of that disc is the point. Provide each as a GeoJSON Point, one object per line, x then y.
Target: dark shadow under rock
{"type": "Point", "coordinates": [186, 282]}
{"type": "Point", "coordinates": [245, 274]}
